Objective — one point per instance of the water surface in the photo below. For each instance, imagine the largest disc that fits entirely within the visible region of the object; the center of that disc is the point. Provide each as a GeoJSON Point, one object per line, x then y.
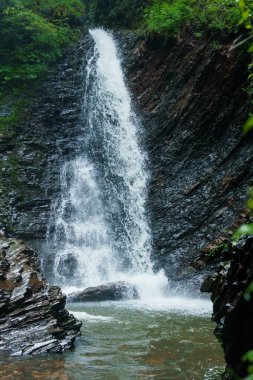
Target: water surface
{"type": "Point", "coordinates": [132, 340]}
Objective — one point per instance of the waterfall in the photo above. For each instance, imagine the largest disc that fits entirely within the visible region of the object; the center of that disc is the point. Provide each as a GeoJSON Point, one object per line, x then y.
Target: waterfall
{"type": "Point", "coordinates": [101, 228]}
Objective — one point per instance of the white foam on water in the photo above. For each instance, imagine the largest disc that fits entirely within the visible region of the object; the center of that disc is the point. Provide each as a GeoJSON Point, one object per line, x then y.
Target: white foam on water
{"type": "Point", "coordinates": [83, 316]}
{"type": "Point", "coordinates": [179, 305]}
{"type": "Point", "coordinates": [165, 305]}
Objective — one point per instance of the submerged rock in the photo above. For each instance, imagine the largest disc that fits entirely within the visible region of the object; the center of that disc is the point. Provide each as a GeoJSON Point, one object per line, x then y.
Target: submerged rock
{"type": "Point", "coordinates": [33, 318]}
{"type": "Point", "coordinates": [108, 292]}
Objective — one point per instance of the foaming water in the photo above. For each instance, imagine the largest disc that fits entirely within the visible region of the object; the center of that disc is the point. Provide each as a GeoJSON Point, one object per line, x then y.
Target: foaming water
{"type": "Point", "coordinates": [83, 254]}
{"type": "Point", "coordinates": [101, 231]}
{"type": "Point", "coordinates": [123, 162]}
{"type": "Point", "coordinates": [83, 316]}
{"type": "Point", "coordinates": [173, 305]}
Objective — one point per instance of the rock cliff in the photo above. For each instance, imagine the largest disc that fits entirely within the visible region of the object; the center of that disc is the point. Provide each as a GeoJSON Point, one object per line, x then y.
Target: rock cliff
{"type": "Point", "coordinates": [233, 304]}
{"type": "Point", "coordinates": [190, 94]}
{"type": "Point", "coordinates": [31, 156]}
{"type": "Point", "coordinates": [33, 318]}
{"type": "Point", "coordinates": [190, 98]}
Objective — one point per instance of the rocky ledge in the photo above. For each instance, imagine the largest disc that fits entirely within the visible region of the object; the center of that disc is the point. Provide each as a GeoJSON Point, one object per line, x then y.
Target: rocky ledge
{"type": "Point", "coordinates": [233, 304]}
{"type": "Point", "coordinates": [33, 318]}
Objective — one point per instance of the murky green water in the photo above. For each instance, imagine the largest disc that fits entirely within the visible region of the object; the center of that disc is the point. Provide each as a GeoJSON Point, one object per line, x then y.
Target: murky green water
{"type": "Point", "coordinates": [126, 340]}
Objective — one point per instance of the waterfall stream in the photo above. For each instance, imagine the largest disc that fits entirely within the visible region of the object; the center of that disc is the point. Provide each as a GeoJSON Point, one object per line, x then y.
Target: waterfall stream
{"type": "Point", "coordinates": [101, 228]}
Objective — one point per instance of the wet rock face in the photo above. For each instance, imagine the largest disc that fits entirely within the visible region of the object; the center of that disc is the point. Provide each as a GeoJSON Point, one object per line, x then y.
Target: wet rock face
{"type": "Point", "coordinates": [109, 292]}
{"type": "Point", "coordinates": [33, 318]}
{"type": "Point", "coordinates": [31, 159]}
{"type": "Point", "coordinates": [193, 107]}
{"type": "Point", "coordinates": [190, 98]}
{"type": "Point", "coordinates": [233, 312]}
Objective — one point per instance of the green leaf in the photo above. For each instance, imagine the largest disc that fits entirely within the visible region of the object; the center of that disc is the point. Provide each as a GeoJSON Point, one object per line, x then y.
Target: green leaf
{"type": "Point", "coordinates": [245, 229]}
{"type": "Point", "coordinates": [248, 125]}
{"type": "Point", "coordinates": [248, 357]}
{"type": "Point", "coordinates": [250, 204]}
{"type": "Point", "coordinates": [247, 297]}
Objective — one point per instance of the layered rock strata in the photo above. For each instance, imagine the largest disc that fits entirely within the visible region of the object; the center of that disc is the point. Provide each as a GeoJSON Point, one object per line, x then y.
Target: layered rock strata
{"type": "Point", "coordinates": [233, 304]}
{"type": "Point", "coordinates": [33, 318]}
{"type": "Point", "coordinates": [190, 94]}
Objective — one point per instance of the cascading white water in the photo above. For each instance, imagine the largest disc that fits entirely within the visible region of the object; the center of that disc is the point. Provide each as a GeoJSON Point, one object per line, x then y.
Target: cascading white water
{"type": "Point", "coordinates": [84, 255]}
{"type": "Point", "coordinates": [124, 162]}
{"type": "Point", "coordinates": [101, 229]}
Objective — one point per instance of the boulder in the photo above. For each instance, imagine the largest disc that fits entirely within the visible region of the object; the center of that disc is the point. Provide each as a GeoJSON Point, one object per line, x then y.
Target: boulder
{"type": "Point", "coordinates": [108, 292]}
{"type": "Point", "coordinates": [33, 318]}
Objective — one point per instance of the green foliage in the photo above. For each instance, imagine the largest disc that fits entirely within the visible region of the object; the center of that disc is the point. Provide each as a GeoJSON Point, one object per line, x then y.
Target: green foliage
{"type": "Point", "coordinates": [17, 106]}
{"type": "Point", "coordinates": [70, 11]}
{"type": "Point", "coordinates": [248, 292]}
{"type": "Point", "coordinates": [33, 35]}
{"type": "Point", "coordinates": [167, 17]}
{"type": "Point", "coordinates": [217, 249]}
{"type": "Point", "coordinates": [248, 357]}
{"type": "Point", "coordinates": [248, 125]}
{"type": "Point", "coordinates": [198, 34]}
{"type": "Point", "coordinates": [246, 8]}
{"type": "Point", "coordinates": [170, 17]}
{"type": "Point", "coordinates": [245, 229]}
{"type": "Point", "coordinates": [115, 13]}
{"type": "Point", "coordinates": [217, 15]}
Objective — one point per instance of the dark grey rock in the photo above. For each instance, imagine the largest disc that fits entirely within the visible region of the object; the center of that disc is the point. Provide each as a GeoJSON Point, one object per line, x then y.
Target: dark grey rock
{"type": "Point", "coordinates": [208, 283]}
{"type": "Point", "coordinates": [233, 307]}
{"type": "Point", "coordinates": [111, 291]}
{"type": "Point", "coordinates": [200, 163]}
{"type": "Point", "coordinates": [31, 156]}
{"type": "Point", "coordinates": [33, 318]}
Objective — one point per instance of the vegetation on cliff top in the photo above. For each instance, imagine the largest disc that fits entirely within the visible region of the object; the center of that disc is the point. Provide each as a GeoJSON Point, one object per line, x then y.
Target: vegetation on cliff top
{"type": "Point", "coordinates": [166, 17]}
{"type": "Point", "coordinates": [35, 33]}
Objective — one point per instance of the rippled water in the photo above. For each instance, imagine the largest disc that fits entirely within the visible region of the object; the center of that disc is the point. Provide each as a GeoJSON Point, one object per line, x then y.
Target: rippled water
{"type": "Point", "coordinates": [131, 340]}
